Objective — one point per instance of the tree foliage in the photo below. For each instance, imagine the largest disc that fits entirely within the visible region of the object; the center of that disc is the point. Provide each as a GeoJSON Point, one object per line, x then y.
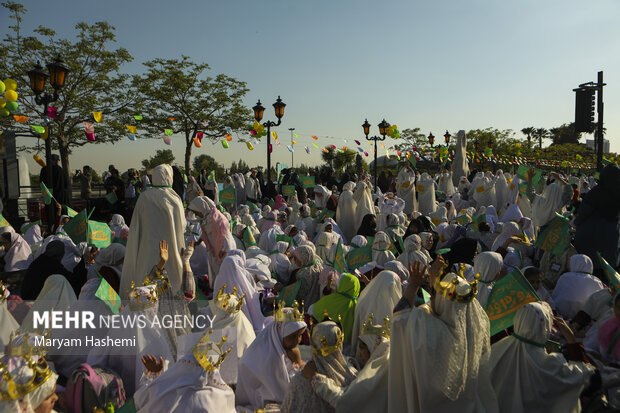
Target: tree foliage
{"type": "Point", "coordinates": [337, 159]}
{"type": "Point", "coordinates": [94, 83]}
{"type": "Point", "coordinates": [176, 94]}
{"type": "Point", "coordinates": [412, 137]}
{"type": "Point", "coordinates": [209, 163]}
{"type": "Point", "coordinates": [161, 156]}
{"type": "Point", "coordinates": [564, 134]}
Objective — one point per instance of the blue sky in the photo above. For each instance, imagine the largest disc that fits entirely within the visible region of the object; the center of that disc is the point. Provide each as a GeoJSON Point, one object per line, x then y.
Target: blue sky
{"type": "Point", "coordinates": [431, 64]}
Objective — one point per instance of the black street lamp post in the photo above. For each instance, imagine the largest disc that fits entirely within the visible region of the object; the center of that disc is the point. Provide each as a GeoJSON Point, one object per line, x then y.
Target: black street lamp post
{"type": "Point", "coordinates": [431, 139]}
{"type": "Point", "coordinates": [57, 76]}
{"type": "Point", "coordinates": [258, 115]}
{"type": "Point", "coordinates": [383, 126]}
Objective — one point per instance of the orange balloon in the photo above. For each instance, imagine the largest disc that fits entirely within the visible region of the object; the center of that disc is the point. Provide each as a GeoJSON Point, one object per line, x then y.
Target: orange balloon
{"type": "Point", "coordinates": [228, 137]}
{"type": "Point", "coordinates": [20, 118]}
{"type": "Point", "coordinates": [197, 142]}
{"type": "Point", "coordinates": [315, 138]}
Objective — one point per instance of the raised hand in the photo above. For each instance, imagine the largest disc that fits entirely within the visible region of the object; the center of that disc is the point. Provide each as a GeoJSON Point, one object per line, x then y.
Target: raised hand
{"type": "Point", "coordinates": [152, 364]}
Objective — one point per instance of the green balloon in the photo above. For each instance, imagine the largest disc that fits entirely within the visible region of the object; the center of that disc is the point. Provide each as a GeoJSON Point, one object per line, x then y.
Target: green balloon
{"type": "Point", "coordinates": [12, 106]}
{"type": "Point", "coordinates": [4, 112]}
{"type": "Point", "coordinates": [2, 86]}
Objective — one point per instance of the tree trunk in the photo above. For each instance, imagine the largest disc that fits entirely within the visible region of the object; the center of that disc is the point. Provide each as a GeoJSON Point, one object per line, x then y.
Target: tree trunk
{"type": "Point", "coordinates": [188, 155]}
{"type": "Point", "coordinates": [63, 148]}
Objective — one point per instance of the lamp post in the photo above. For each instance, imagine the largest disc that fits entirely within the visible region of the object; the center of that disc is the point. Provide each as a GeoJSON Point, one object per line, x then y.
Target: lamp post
{"type": "Point", "coordinates": [383, 131]}
{"type": "Point", "coordinates": [431, 139]}
{"type": "Point", "coordinates": [292, 154]}
{"type": "Point", "coordinates": [258, 115]}
{"type": "Point", "coordinates": [447, 138]}
{"type": "Point", "coordinates": [57, 76]}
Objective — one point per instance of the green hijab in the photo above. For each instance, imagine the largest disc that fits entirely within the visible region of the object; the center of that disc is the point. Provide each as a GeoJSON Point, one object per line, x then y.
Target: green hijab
{"type": "Point", "coordinates": [341, 303]}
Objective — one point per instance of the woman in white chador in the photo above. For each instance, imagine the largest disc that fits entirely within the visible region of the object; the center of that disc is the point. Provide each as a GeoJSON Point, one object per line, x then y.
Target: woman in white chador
{"type": "Point", "coordinates": [158, 215]}
{"type": "Point", "coordinates": [8, 323]}
{"type": "Point", "coordinates": [126, 361]}
{"type": "Point", "coordinates": [18, 254]}
{"type": "Point", "coordinates": [381, 249]}
{"type": "Point", "coordinates": [440, 352]}
{"type": "Point", "coordinates": [345, 212]}
{"type": "Point", "coordinates": [56, 295]}
{"type": "Point", "coordinates": [575, 287]}
{"type": "Point", "coordinates": [267, 366]}
{"type": "Point", "coordinates": [327, 358]}
{"type": "Point", "coordinates": [369, 391]}
{"type": "Point", "coordinates": [413, 251]}
{"type": "Point", "coordinates": [233, 274]}
{"type": "Point", "coordinates": [488, 264]}
{"type": "Point", "coordinates": [426, 194]}
{"type": "Point", "coordinates": [192, 384]}
{"type": "Point", "coordinates": [378, 298]}
{"type": "Point", "coordinates": [405, 189]}
{"type": "Point", "coordinates": [528, 379]}
{"type": "Point", "coordinates": [225, 311]}
{"type": "Point", "coordinates": [364, 204]}
{"type": "Point", "coordinates": [445, 184]}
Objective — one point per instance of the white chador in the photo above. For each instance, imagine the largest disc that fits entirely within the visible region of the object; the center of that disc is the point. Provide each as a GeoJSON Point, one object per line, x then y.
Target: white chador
{"type": "Point", "coordinates": [440, 354]}
{"type": "Point", "coordinates": [158, 216]}
{"type": "Point", "coordinates": [365, 205]}
{"type": "Point", "coordinates": [405, 189]}
{"type": "Point", "coordinates": [7, 321]}
{"type": "Point", "coordinates": [459, 163]}
{"type": "Point", "coordinates": [426, 194]}
{"type": "Point", "coordinates": [345, 213]}
{"type": "Point", "coordinates": [528, 379]}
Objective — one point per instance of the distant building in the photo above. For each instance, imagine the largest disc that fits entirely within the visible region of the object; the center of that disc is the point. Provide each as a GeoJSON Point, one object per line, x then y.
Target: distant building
{"type": "Point", "coordinates": [590, 144]}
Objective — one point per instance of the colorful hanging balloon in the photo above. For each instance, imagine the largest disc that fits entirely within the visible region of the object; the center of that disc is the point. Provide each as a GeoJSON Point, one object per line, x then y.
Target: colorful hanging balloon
{"type": "Point", "coordinates": [270, 148]}
{"type": "Point", "coordinates": [131, 129]}
{"type": "Point", "coordinates": [98, 116]}
{"type": "Point", "coordinates": [325, 150]}
{"type": "Point", "coordinates": [315, 138]}
{"type": "Point", "coordinates": [90, 136]}
{"type": "Point", "coordinates": [20, 118]}
{"type": "Point", "coordinates": [365, 153]}
{"type": "Point", "coordinates": [290, 148]}
{"type": "Point", "coordinates": [89, 127]}
{"type": "Point", "coordinates": [131, 136]}
{"type": "Point", "coordinates": [307, 150]}
{"type": "Point", "coordinates": [250, 146]}
{"type": "Point", "coordinates": [10, 84]}
{"type": "Point", "coordinates": [168, 132]}
{"type": "Point", "coordinates": [253, 132]}
{"type": "Point", "coordinates": [315, 145]}
{"type": "Point", "coordinates": [52, 112]}
{"type": "Point", "coordinates": [37, 129]}
{"type": "Point", "coordinates": [225, 144]}
{"type": "Point", "coordinates": [12, 107]}
{"type": "Point", "coordinates": [137, 117]}
{"type": "Point", "coordinates": [228, 137]}
{"type": "Point", "coordinates": [199, 135]}
{"type": "Point", "coordinates": [333, 146]}
{"type": "Point", "coordinates": [2, 87]}
{"type": "Point", "coordinates": [274, 135]}
{"type": "Point", "coordinates": [38, 160]}
{"type": "Point", "coordinates": [197, 142]}
{"type": "Point", "coordinates": [167, 139]}
{"type": "Point", "coordinates": [228, 130]}
{"type": "Point", "coordinates": [357, 142]}
{"type": "Point", "coordinates": [10, 96]}
{"type": "Point", "coordinates": [296, 135]}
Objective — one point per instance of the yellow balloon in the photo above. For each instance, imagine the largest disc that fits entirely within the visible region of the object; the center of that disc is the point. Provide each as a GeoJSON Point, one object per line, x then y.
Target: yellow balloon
{"type": "Point", "coordinates": [10, 84]}
{"type": "Point", "coordinates": [2, 103]}
{"type": "Point", "coordinates": [10, 95]}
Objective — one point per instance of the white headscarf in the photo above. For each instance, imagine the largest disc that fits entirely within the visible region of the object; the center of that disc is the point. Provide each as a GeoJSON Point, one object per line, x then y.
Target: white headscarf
{"type": "Point", "coordinates": [575, 287]}
{"type": "Point", "coordinates": [405, 189]}
{"type": "Point", "coordinates": [545, 206]}
{"type": "Point", "coordinates": [7, 321]}
{"type": "Point", "coordinates": [426, 194]}
{"type": "Point", "coordinates": [56, 295]}
{"type": "Point", "coordinates": [538, 381]}
{"type": "Point", "coordinates": [321, 202]}
{"type": "Point", "coordinates": [19, 255]}
{"type": "Point", "coordinates": [509, 229]}
{"type": "Point", "coordinates": [381, 248]}
{"type": "Point", "coordinates": [108, 257]}
{"type": "Point", "coordinates": [364, 204]}
{"type": "Point", "coordinates": [379, 299]}
{"type": "Point", "coordinates": [413, 253]}
{"type": "Point", "coordinates": [345, 213]}
{"type": "Point", "coordinates": [33, 235]}
{"type": "Point", "coordinates": [264, 370]}
{"type": "Point", "coordinates": [117, 224]}
{"type": "Point", "coordinates": [488, 264]}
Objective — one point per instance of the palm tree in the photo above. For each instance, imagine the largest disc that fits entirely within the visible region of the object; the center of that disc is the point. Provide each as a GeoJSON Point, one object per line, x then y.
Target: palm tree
{"type": "Point", "coordinates": [529, 131]}
{"type": "Point", "coordinates": [540, 133]}
{"type": "Point", "coordinates": [329, 156]}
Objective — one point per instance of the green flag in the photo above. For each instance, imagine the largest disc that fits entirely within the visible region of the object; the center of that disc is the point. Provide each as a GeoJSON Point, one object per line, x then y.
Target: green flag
{"type": "Point", "coordinates": [412, 161]}
{"type": "Point", "coordinates": [555, 236]}
{"type": "Point", "coordinates": [71, 212]}
{"type": "Point", "coordinates": [106, 293]}
{"type": "Point", "coordinates": [46, 193]}
{"type": "Point", "coordinates": [307, 181]}
{"type": "Point", "coordinates": [248, 238]}
{"type": "Point", "coordinates": [99, 234]}
{"type": "Point", "coordinates": [401, 243]}
{"type": "Point", "coordinates": [325, 213]}
{"type": "Point", "coordinates": [339, 260]}
{"type": "Point", "coordinates": [26, 227]}
{"type": "Point", "coordinates": [478, 220]}
{"type": "Point", "coordinates": [285, 238]}
{"type": "Point", "coordinates": [359, 257]}
{"type": "Point", "coordinates": [111, 198]}
{"type": "Point", "coordinates": [228, 196]}
{"type": "Point", "coordinates": [4, 222]}
{"type": "Point", "coordinates": [77, 227]}
{"type": "Point", "coordinates": [289, 293]}
{"type": "Point", "coordinates": [612, 276]}
{"type": "Point", "coordinates": [252, 206]}
{"type": "Point", "coordinates": [313, 209]}
{"type": "Point", "coordinates": [288, 190]}
{"type": "Point", "coordinates": [211, 176]}
{"type": "Point", "coordinates": [506, 297]}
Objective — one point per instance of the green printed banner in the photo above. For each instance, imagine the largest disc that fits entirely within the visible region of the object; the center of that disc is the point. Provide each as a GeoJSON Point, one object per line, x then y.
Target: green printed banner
{"type": "Point", "coordinates": [288, 294]}
{"type": "Point", "coordinates": [228, 196]}
{"type": "Point", "coordinates": [111, 198]}
{"type": "Point", "coordinates": [248, 238]}
{"type": "Point", "coordinates": [80, 229]}
{"type": "Point", "coordinates": [4, 222]}
{"type": "Point", "coordinates": [76, 228]}
{"type": "Point", "coordinates": [339, 260]}
{"type": "Point", "coordinates": [359, 257]}
{"type": "Point", "coordinates": [325, 213]}
{"type": "Point", "coordinates": [478, 220]}
{"type": "Point", "coordinates": [99, 234]}
{"type": "Point", "coordinates": [288, 190]}
{"type": "Point", "coordinates": [612, 276]}
{"type": "Point", "coordinates": [46, 193]}
{"type": "Point", "coordinates": [507, 296]}
{"type": "Point", "coordinates": [71, 212]}
{"type": "Point", "coordinates": [307, 181]}
{"type": "Point", "coordinates": [555, 237]}
{"type": "Point", "coordinates": [106, 293]}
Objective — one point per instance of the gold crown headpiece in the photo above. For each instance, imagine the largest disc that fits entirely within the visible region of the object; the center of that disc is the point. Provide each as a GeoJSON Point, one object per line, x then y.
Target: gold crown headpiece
{"type": "Point", "coordinates": [204, 346]}
{"type": "Point", "coordinates": [4, 292]}
{"type": "Point", "coordinates": [456, 288]}
{"type": "Point", "coordinates": [10, 390]}
{"type": "Point", "coordinates": [162, 282]}
{"type": "Point", "coordinates": [293, 314]}
{"type": "Point", "coordinates": [143, 297]}
{"type": "Point", "coordinates": [25, 344]}
{"type": "Point", "coordinates": [325, 350]}
{"type": "Point", "coordinates": [222, 300]}
{"type": "Point", "coordinates": [369, 327]}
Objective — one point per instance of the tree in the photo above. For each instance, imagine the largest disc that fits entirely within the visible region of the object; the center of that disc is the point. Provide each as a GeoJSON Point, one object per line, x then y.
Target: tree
{"type": "Point", "coordinates": [413, 137]}
{"type": "Point", "coordinates": [540, 134]}
{"type": "Point", "coordinates": [328, 155]}
{"type": "Point", "coordinates": [161, 156]}
{"type": "Point", "coordinates": [235, 167]}
{"type": "Point", "coordinates": [529, 131]}
{"type": "Point", "coordinates": [94, 83]}
{"type": "Point", "coordinates": [209, 163]}
{"type": "Point", "coordinates": [176, 94]}
{"type": "Point", "coordinates": [564, 134]}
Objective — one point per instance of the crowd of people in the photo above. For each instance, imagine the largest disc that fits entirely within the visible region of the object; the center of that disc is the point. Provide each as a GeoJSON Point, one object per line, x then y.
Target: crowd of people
{"type": "Point", "coordinates": [338, 298]}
